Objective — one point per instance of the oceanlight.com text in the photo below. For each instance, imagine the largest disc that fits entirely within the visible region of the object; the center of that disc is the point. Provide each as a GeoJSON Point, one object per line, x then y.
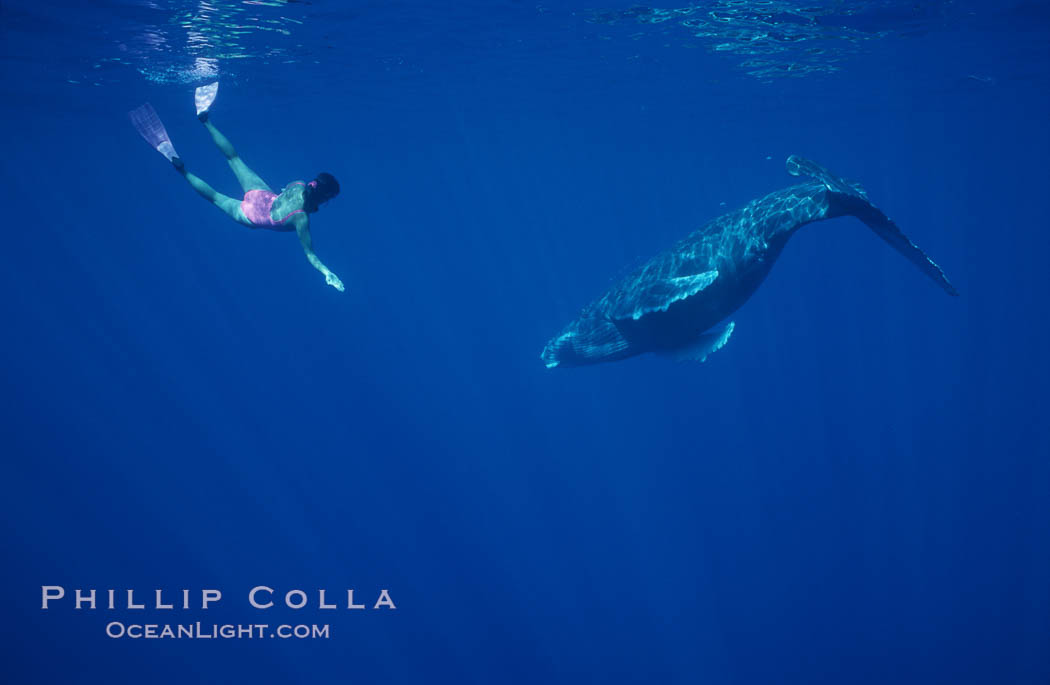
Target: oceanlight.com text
{"type": "Point", "coordinates": [215, 631]}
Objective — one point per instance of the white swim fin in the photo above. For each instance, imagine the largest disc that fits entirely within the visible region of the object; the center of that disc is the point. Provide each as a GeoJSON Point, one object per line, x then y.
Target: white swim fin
{"type": "Point", "coordinates": [204, 96]}
{"type": "Point", "coordinates": [147, 123]}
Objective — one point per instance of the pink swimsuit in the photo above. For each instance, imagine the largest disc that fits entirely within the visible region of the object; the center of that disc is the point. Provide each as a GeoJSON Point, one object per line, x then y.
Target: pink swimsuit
{"type": "Point", "coordinates": [257, 205]}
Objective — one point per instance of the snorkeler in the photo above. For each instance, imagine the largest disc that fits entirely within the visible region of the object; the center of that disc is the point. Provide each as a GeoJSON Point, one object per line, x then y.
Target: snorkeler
{"type": "Point", "coordinates": [288, 210]}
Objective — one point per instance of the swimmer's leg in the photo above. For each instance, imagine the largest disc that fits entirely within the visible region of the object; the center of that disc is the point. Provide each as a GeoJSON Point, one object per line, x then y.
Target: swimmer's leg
{"type": "Point", "coordinates": [248, 179]}
{"type": "Point", "coordinates": [230, 205]}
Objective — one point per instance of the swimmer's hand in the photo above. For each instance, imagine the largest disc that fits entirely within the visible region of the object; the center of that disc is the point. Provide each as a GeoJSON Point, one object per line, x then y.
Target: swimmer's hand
{"type": "Point", "coordinates": [333, 280]}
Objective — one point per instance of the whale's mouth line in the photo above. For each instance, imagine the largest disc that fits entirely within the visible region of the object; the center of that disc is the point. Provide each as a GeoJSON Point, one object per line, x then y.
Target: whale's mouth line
{"type": "Point", "coordinates": [549, 356]}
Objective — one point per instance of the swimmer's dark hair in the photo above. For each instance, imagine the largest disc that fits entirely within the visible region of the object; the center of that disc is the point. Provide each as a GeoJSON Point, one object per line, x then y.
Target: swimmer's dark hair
{"type": "Point", "coordinates": [325, 189]}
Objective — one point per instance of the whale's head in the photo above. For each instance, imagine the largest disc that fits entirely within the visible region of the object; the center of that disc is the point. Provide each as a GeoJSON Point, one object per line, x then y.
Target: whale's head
{"type": "Point", "coordinates": [587, 340]}
{"type": "Point", "coordinates": [559, 351]}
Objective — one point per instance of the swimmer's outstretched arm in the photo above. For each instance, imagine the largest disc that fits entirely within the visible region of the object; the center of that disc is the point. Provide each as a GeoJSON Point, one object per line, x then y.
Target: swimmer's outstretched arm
{"type": "Point", "coordinates": [302, 229]}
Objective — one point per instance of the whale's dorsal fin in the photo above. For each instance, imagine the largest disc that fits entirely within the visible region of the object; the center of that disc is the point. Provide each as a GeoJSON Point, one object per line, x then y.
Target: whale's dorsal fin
{"type": "Point", "coordinates": [657, 294]}
{"type": "Point", "coordinates": [800, 166]}
{"type": "Point", "coordinates": [709, 342]}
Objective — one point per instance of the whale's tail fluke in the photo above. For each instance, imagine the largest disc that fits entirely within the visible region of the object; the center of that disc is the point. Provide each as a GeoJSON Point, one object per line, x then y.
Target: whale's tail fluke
{"type": "Point", "coordinates": [851, 199]}
{"type": "Point", "coordinates": [889, 231]}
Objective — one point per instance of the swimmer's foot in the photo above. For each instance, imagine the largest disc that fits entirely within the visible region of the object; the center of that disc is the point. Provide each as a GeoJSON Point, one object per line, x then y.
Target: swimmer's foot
{"type": "Point", "coordinates": [178, 164]}
{"type": "Point", "coordinates": [203, 116]}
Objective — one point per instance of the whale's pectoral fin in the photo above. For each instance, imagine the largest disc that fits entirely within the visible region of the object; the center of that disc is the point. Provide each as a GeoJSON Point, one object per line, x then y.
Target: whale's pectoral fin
{"type": "Point", "coordinates": [707, 343]}
{"type": "Point", "coordinates": [657, 294]}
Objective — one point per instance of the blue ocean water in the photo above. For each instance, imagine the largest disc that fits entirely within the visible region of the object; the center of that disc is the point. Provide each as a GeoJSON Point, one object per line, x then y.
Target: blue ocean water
{"type": "Point", "coordinates": [854, 490]}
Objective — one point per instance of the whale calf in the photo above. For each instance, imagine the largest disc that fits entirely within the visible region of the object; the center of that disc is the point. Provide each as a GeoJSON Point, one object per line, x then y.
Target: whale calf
{"type": "Point", "coordinates": [675, 304]}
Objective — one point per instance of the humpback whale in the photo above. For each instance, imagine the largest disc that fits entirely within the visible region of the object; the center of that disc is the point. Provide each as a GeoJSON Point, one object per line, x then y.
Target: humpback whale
{"type": "Point", "coordinates": [677, 302]}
